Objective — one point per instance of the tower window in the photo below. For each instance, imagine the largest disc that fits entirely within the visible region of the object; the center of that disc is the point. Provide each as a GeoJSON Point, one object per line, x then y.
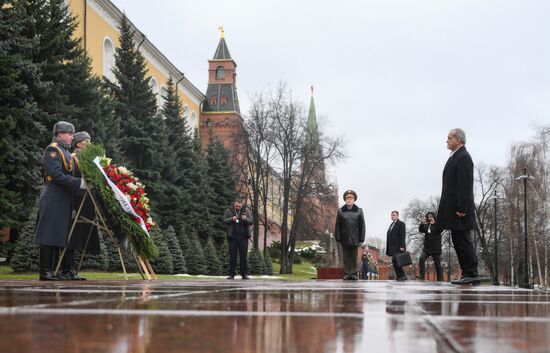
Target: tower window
{"type": "Point", "coordinates": [213, 101]}
{"type": "Point", "coordinates": [223, 100]}
{"type": "Point", "coordinates": [220, 73]}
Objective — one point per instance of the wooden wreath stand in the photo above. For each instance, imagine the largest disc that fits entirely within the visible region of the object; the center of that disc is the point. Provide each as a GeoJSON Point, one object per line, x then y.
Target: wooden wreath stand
{"type": "Point", "coordinates": [144, 267]}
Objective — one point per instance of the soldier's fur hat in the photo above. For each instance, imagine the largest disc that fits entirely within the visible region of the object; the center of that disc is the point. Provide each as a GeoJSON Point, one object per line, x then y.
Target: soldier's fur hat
{"type": "Point", "coordinates": [80, 136]}
{"type": "Point", "coordinates": [63, 126]}
{"type": "Point", "coordinates": [352, 193]}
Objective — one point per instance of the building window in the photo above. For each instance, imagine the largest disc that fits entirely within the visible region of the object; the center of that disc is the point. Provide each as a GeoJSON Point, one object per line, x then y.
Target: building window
{"type": "Point", "coordinates": [186, 113]}
{"type": "Point", "coordinates": [108, 59]}
{"type": "Point", "coordinates": [223, 100]}
{"type": "Point", "coordinates": [220, 73]}
{"type": "Point", "coordinates": [193, 121]}
{"type": "Point", "coordinates": [154, 87]}
{"type": "Point", "coordinates": [213, 101]}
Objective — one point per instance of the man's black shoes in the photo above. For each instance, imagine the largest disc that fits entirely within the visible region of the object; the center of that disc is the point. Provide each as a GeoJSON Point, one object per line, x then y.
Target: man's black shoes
{"type": "Point", "coordinates": [467, 280]}
{"type": "Point", "coordinates": [230, 277]}
{"type": "Point", "coordinates": [245, 277]}
{"type": "Point", "coordinates": [401, 279]}
{"type": "Point", "coordinates": [47, 276]}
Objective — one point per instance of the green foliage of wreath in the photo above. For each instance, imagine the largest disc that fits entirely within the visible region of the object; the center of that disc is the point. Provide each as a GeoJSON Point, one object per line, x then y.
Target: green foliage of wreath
{"type": "Point", "coordinates": [118, 220]}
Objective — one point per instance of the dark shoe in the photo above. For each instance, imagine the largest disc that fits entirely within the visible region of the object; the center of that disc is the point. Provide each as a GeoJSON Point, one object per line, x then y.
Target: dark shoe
{"type": "Point", "coordinates": [230, 277]}
{"type": "Point", "coordinates": [245, 277]}
{"type": "Point", "coordinates": [352, 278]}
{"type": "Point", "coordinates": [64, 276]}
{"type": "Point", "coordinates": [467, 280]}
{"type": "Point", "coordinates": [401, 279]}
{"type": "Point", "coordinates": [76, 277]}
{"type": "Point", "coordinates": [345, 278]}
{"type": "Point", "coordinates": [419, 277]}
{"type": "Point", "coordinates": [47, 276]}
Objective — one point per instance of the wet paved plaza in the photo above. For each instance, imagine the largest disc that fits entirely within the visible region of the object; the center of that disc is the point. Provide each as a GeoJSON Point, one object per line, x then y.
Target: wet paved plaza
{"type": "Point", "coordinates": [270, 316]}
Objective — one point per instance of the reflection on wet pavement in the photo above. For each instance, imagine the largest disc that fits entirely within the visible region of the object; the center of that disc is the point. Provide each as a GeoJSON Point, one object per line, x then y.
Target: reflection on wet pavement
{"type": "Point", "coordinates": [270, 316]}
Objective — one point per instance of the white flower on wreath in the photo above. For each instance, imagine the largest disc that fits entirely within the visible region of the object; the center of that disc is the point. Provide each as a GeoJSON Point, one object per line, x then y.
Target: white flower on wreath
{"type": "Point", "coordinates": [123, 170]}
{"type": "Point", "coordinates": [150, 221]}
{"type": "Point", "coordinates": [132, 186]}
{"type": "Point", "coordinates": [105, 161]}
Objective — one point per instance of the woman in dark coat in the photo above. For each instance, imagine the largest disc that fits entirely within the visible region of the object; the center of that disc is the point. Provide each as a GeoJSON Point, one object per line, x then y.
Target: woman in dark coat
{"type": "Point", "coordinates": [432, 245]}
{"type": "Point", "coordinates": [350, 233]}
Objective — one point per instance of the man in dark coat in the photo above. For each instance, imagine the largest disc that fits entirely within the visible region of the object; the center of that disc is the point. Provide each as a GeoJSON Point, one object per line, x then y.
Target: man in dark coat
{"type": "Point", "coordinates": [456, 207]}
{"type": "Point", "coordinates": [55, 207]}
{"type": "Point", "coordinates": [432, 245]}
{"type": "Point", "coordinates": [395, 244]}
{"type": "Point", "coordinates": [85, 236]}
{"type": "Point", "coordinates": [350, 233]}
{"type": "Point", "coordinates": [238, 220]}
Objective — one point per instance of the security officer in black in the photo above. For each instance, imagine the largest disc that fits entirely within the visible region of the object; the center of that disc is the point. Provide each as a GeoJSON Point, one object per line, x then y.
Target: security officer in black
{"type": "Point", "coordinates": [55, 207]}
{"type": "Point", "coordinates": [85, 236]}
{"type": "Point", "coordinates": [237, 219]}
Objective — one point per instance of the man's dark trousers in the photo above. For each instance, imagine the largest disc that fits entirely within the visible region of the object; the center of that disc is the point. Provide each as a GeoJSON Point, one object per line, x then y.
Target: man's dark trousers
{"type": "Point", "coordinates": [399, 272]}
{"type": "Point", "coordinates": [465, 252]}
{"type": "Point", "coordinates": [238, 244]}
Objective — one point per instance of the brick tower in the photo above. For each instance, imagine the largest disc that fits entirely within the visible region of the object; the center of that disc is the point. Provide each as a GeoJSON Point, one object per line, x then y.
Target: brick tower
{"type": "Point", "coordinates": [221, 115]}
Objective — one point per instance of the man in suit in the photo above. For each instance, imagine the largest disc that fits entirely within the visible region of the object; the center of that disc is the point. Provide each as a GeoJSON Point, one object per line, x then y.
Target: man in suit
{"type": "Point", "coordinates": [456, 207]}
{"type": "Point", "coordinates": [395, 243]}
{"type": "Point", "coordinates": [237, 219]}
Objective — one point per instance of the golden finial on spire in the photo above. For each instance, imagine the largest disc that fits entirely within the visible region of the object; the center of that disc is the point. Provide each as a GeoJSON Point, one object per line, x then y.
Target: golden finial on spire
{"type": "Point", "coordinates": [220, 28]}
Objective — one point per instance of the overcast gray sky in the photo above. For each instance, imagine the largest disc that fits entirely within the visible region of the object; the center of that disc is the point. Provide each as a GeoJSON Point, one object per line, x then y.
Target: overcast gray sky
{"type": "Point", "coordinates": [391, 76]}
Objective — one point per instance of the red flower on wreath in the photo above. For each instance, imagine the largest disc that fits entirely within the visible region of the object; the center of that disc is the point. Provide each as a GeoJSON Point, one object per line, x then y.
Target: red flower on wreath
{"type": "Point", "coordinates": [131, 187]}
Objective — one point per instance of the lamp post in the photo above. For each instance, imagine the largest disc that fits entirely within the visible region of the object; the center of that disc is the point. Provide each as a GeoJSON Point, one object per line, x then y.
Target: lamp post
{"type": "Point", "coordinates": [525, 283]}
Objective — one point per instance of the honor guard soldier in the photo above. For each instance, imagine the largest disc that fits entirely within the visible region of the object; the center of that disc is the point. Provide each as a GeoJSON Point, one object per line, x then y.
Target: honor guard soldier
{"type": "Point", "coordinates": [85, 236]}
{"type": "Point", "coordinates": [55, 207]}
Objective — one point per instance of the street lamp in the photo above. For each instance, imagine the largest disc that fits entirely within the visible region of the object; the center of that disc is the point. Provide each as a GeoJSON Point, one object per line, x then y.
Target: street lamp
{"type": "Point", "coordinates": [495, 198]}
{"type": "Point", "coordinates": [525, 283]}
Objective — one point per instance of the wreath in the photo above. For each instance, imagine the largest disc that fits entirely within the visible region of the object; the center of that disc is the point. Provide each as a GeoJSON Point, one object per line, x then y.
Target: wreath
{"type": "Point", "coordinates": [134, 225]}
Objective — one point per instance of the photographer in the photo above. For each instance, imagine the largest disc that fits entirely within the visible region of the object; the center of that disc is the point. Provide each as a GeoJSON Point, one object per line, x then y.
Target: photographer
{"type": "Point", "coordinates": [432, 245]}
{"type": "Point", "coordinates": [237, 219]}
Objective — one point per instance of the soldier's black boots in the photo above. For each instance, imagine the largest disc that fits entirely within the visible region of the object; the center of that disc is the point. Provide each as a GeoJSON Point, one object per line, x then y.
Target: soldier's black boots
{"type": "Point", "coordinates": [68, 273]}
{"type": "Point", "coordinates": [47, 254]}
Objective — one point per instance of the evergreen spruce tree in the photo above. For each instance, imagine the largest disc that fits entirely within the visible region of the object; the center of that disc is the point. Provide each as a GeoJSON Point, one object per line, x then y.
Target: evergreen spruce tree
{"type": "Point", "coordinates": [223, 253]}
{"type": "Point", "coordinates": [268, 266]}
{"type": "Point", "coordinates": [163, 263]}
{"type": "Point", "coordinates": [25, 256]}
{"type": "Point", "coordinates": [255, 262]}
{"type": "Point", "coordinates": [178, 260]}
{"type": "Point", "coordinates": [178, 151]}
{"type": "Point", "coordinates": [213, 264]}
{"type": "Point", "coordinates": [12, 108]}
{"type": "Point", "coordinates": [21, 125]}
{"type": "Point", "coordinates": [184, 241]}
{"type": "Point", "coordinates": [142, 130]}
{"type": "Point", "coordinates": [55, 83]}
{"type": "Point", "coordinates": [222, 181]}
{"type": "Point", "coordinates": [195, 261]}
{"type": "Point", "coordinates": [201, 203]}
